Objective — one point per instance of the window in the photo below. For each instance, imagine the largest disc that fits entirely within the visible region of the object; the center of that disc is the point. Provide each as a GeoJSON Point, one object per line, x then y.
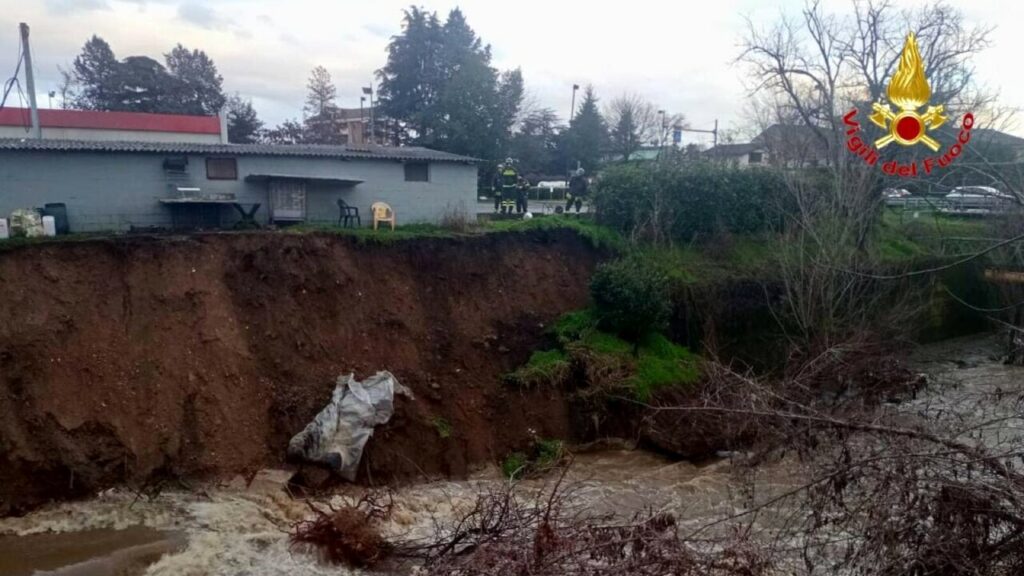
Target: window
{"type": "Point", "coordinates": [221, 169]}
{"type": "Point", "coordinates": [176, 165]}
{"type": "Point", "coordinates": [755, 158]}
{"type": "Point", "coordinates": [417, 172]}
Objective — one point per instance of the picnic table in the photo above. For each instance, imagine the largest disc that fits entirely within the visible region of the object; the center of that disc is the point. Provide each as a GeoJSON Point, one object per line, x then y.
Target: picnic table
{"type": "Point", "coordinates": [246, 210]}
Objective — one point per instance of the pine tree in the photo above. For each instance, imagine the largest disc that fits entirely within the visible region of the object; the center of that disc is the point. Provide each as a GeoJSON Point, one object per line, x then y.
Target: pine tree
{"type": "Point", "coordinates": [244, 126]}
{"type": "Point", "coordinates": [587, 137]}
{"type": "Point", "coordinates": [321, 92]}
{"type": "Point", "coordinates": [411, 79]}
{"type": "Point", "coordinates": [95, 71]}
{"type": "Point", "coordinates": [200, 83]}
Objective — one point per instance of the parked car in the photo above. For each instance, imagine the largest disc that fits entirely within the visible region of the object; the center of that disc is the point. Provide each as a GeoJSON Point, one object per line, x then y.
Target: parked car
{"type": "Point", "coordinates": [977, 200]}
{"type": "Point", "coordinates": [895, 196]}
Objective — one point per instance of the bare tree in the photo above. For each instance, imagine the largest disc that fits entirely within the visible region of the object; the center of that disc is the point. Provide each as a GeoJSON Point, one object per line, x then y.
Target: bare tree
{"type": "Point", "coordinates": [68, 87]}
{"type": "Point", "coordinates": [634, 122]}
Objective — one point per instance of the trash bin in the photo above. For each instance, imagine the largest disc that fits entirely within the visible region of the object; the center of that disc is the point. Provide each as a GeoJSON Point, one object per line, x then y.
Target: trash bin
{"type": "Point", "coordinates": [59, 211]}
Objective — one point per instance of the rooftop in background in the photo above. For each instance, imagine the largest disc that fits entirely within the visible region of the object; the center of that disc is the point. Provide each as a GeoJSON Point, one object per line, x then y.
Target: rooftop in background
{"type": "Point", "coordinates": [124, 126]}
{"type": "Point", "coordinates": [364, 152]}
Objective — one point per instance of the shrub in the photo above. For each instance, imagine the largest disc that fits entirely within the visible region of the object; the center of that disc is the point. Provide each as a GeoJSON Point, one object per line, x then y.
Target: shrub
{"type": "Point", "coordinates": [514, 465]}
{"type": "Point", "coordinates": [631, 297]}
{"type": "Point", "coordinates": [681, 202]}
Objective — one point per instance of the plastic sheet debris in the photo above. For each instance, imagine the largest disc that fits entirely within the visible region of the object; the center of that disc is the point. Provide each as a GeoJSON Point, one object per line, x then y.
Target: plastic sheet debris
{"type": "Point", "coordinates": [27, 223]}
{"type": "Point", "coordinates": [336, 437]}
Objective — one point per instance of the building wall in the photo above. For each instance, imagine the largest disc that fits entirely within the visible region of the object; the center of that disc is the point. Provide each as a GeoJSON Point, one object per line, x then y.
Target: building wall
{"type": "Point", "coordinates": [114, 191]}
{"type": "Point", "coordinates": [111, 135]}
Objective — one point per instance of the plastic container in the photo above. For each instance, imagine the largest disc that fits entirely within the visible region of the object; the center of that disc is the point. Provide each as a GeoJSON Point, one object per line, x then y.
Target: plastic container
{"type": "Point", "coordinates": [49, 226]}
{"type": "Point", "coordinates": [5, 231]}
{"type": "Point", "coordinates": [59, 211]}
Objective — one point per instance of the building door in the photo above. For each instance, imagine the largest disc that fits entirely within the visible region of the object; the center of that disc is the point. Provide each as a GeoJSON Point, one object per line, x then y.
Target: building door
{"type": "Point", "coordinates": [287, 200]}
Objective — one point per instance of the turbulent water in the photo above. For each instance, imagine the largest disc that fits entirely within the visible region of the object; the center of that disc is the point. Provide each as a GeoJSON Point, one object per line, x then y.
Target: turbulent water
{"type": "Point", "coordinates": [233, 529]}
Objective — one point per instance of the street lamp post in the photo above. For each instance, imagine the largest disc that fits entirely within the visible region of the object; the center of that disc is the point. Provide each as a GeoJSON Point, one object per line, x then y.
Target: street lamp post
{"type": "Point", "coordinates": [572, 108]}
{"type": "Point", "coordinates": [572, 112]}
{"type": "Point", "coordinates": [368, 90]}
{"type": "Point", "coordinates": [362, 124]}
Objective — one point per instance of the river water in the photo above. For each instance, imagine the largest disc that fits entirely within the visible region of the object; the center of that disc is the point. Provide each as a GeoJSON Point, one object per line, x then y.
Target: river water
{"type": "Point", "coordinates": [232, 529]}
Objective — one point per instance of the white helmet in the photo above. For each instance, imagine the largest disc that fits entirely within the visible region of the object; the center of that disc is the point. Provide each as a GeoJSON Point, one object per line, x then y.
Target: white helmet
{"type": "Point", "coordinates": [527, 216]}
{"type": "Point", "coordinates": [509, 161]}
{"type": "Point", "coordinates": [580, 172]}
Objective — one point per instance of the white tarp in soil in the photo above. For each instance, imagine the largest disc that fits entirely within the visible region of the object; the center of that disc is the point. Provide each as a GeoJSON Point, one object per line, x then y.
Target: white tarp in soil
{"type": "Point", "coordinates": [337, 435]}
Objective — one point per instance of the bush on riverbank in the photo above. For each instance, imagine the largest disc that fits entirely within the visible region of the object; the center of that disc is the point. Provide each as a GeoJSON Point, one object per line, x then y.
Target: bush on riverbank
{"type": "Point", "coordinates": [682, 202]}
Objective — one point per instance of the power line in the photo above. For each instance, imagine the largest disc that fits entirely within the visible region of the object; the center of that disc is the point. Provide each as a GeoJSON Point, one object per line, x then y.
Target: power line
{"type": "Point", "coordinates": [13, 80]}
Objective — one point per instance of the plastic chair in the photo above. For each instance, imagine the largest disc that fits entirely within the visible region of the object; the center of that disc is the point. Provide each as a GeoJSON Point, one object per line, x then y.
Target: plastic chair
{"type": "Point", "coordinates": [346, 214]}
{"type": "Point", "coordinates": [382, 212]}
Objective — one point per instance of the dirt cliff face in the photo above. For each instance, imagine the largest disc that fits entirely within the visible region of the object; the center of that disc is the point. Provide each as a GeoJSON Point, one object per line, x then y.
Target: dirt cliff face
{"type": "Point", "coordinates": [137, 359]}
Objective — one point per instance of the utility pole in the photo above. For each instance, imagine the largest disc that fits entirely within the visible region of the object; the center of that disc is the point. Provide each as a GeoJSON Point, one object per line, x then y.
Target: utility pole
{"type": "Point", "coordinates": [30, 82]}
{"type": "Point", "coordinates": [713, 132]}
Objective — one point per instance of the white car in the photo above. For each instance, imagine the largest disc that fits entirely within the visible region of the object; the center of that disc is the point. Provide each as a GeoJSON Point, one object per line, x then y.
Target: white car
{"type": "Point", "coordinates": [977, 200]}
{"type": "Point", "coordinates": [895, 196]}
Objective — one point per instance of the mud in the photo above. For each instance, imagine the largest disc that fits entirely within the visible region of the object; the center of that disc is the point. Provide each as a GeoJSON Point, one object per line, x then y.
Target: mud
{"type": "Point", "coordinates": [143, 361]}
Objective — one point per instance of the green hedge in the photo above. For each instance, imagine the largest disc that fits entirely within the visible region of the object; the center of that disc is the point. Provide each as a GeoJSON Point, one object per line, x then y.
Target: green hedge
{"type": "Point", "coordinates": [690, 201]}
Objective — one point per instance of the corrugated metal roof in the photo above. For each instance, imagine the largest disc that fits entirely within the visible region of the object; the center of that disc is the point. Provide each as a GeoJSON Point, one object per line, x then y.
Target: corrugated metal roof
{"type": "Point", "coordinates": [301, 150]}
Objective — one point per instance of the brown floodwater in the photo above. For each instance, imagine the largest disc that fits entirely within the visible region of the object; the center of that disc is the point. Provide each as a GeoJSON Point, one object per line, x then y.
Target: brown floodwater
{"type": "Point", "coordinates": [98, 552]}
{"type": "Point", "coordinates": [231, 529]}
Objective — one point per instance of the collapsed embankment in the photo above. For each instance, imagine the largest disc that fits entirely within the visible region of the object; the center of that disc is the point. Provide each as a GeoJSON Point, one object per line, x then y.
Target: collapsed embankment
{"type": "Point", "coordinates": [135, 359]}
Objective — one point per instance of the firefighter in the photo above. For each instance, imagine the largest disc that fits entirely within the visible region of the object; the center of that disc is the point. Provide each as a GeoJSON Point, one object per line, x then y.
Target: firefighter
{"type": "Point", "coordinates": [577, 190]}
{"type": "Point", "coordinates": [509, 177]}
{"type": "Point", "coordinates": [522, 195]}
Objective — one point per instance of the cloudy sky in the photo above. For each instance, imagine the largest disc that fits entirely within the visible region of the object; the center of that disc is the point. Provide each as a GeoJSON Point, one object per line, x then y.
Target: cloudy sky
{"type": "Point", "coordinates": [678, 54]}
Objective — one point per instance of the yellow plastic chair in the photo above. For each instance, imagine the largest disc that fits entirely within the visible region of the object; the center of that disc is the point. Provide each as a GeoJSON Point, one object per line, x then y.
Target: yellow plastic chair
{"type": "Point", "coordinates": [382, 212]}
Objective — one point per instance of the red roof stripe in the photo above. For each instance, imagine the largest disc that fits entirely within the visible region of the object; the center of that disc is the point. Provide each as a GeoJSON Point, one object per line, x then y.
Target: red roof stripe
{"type": "Point", "coordinates": [114, 121]}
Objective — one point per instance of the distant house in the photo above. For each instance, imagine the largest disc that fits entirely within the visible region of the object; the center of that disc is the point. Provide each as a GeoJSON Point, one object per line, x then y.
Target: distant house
{"type": "Point", "coordinates": [642, 154]}
{"type": "Point", "coordinates": [352, 125]}
{"type": "Point", "coordinates": [778, 145]}
{"type": "Point", "coordinates": [117, 170]}
{"type": "Point", "coordinates": [738, 155]}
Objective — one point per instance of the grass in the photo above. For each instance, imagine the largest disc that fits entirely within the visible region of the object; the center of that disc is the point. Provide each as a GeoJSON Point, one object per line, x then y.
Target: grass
{"type": "Point", "coordinates": [739, 257]}
{"type": "Point", "coordinates": [543, 455]}
{"type": "Point", "coordinates": [598, 236]}
{"type": "Point", "coordinates": [549, 452]}
{"type": "Point", "coordinates": [443, 427]}
{"type": "Point", "coordinates": [12, 243]}
{"type": "Point", "coordinates": [931, 234]}
{"type": "Point", "coordinates": [658, 362]}
{"type": "Point", "coordinates": [546, 366]}
{"type": "Point", "coordinates": [662, 363]}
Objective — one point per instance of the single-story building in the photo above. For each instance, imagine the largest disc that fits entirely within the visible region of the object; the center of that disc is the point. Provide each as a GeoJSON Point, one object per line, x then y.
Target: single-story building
{"type": "Point", "coordinates": [149, 182]}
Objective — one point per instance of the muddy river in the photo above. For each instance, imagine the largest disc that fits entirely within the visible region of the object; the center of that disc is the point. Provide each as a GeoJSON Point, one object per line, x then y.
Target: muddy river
{"type": "Point", "coordinates": [233, 529]}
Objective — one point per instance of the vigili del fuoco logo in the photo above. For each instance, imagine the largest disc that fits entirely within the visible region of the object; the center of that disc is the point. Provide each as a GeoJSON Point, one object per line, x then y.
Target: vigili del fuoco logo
{"type": "Point", "coordinates": [909, 92]}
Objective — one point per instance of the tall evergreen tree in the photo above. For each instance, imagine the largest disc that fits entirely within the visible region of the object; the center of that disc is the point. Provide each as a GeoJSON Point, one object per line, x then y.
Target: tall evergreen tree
{"type": "Point", "coordinates": [535, 143]}
{"type": "Point", "coordinates": [288, 132]}
{"type": "Point", "coordinates": [441, 89]}
{"type": "Point", "coordinates": [587, 137]}
{"type": "Point", "coordinates": [95, 71]}
{"type": "Point", "coordinates": [244, 125]}
{"type": "Point", "coordinates": [143, 85]}
{"type": "Point", "coordinates": [411, 79]}
{"type": "Point", "coordinates": [200, 83]}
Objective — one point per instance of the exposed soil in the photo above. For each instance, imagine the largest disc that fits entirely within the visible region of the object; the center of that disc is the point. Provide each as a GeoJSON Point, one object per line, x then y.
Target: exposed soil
{"type": "Point", "coordinates": [137, 359]}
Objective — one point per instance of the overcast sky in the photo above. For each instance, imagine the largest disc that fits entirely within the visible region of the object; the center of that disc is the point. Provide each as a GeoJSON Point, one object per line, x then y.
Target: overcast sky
{"type": "Point", "coordinates": [677, 54]}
